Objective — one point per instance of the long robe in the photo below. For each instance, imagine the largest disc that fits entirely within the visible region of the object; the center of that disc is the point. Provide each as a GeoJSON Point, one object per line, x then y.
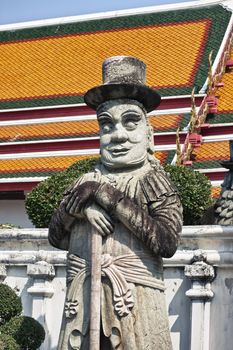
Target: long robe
{"type": "Point", "coordinates": [147, 223]}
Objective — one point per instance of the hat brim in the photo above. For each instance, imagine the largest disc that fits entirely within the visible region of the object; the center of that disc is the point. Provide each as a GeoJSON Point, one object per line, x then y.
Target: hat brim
{"type": "Point", "coordinates": [149, 98]}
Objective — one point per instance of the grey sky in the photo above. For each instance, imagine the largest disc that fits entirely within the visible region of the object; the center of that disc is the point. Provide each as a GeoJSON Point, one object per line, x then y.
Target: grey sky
{"type": "Point", "coordinates": [13, 11]}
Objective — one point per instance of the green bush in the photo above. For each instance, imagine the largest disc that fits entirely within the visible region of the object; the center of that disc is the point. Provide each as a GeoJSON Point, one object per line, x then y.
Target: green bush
{"type": "Point", "coordinates": [194, 189]}
{"type": "Point", "coordinates": [26, 331]}
{"type": "Point", "coordinates": [8, 343]}
{"type": "Point", "coordinates": [44, 198]}
{"type": "Point", "coordinates": [195, 192]}
{"type": "Point", "coordinates": [10, 303]}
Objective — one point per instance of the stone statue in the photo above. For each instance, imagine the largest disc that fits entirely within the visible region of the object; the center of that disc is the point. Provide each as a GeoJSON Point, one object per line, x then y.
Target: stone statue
{"type": "Point", "coordinates": [221, 212]}
{"type": "Point", "coordinates": [131, 202]}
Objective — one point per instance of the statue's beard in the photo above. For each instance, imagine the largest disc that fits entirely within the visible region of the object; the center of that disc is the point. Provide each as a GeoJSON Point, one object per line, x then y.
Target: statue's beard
{"type": "Point", "coordinates": [112, 164]}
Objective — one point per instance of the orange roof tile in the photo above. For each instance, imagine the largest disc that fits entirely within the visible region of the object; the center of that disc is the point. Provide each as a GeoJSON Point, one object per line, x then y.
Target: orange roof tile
{"type": "Point", "coordinates": [36, 166]}
{"type": "Point", "coordinates": [43, 166]}
{"type": "Point", "coordinates": [215, 192]}
{"type": "Point", "coordinates": [165, 122]}
{"type": "Point", "coordinates": [49, 130]}
{"type": "Point", "coordinates": [47, 67]}
{"type": "Point", "coordinates": [71, 129]}
{"type": "Point", "coordinates": [212, 151]}
{"type": "Point", "coordinates": [58, 64]}
{"type": "Point", "coordinates": [162, 156]}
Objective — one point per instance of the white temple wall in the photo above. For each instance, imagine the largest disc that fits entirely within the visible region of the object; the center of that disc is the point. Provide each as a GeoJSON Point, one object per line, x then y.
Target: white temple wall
{"type": "Point", "coordinates": [13, 212]}
{"type": "Point", "coordinates": [200, 305]}
{"type": "Point", "coordinates": [178, 306]}
{"type": "Point", "coordinates": [221, 318]}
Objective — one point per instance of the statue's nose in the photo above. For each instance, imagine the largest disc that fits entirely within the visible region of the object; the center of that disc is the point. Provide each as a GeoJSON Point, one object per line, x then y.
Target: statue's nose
{"type": "Point", "coordinates": [119, 134]}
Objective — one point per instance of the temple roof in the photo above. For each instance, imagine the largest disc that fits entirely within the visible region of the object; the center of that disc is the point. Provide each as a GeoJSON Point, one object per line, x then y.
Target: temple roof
{"type": "Point", "coordinates": [57, 64]}
{"type": "Point", "coordinates": [46, 68]}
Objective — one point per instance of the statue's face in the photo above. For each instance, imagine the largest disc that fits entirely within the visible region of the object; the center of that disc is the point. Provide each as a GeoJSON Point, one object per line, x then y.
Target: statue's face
{"type": "Point", "coordinates": [123, 133]}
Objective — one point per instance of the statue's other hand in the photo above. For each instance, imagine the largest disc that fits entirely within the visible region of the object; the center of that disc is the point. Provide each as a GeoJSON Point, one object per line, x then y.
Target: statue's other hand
{"type": "Point", "coordinates": [98, 218]}
{"type": "Point", "coordinates": [76, 201]}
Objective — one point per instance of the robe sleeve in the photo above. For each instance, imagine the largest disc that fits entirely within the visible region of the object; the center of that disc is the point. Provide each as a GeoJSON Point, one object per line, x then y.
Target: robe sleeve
{"type": "Point", "coordinates": [61, 222]}
{"type": "Point", "coordinates": [158, 227]}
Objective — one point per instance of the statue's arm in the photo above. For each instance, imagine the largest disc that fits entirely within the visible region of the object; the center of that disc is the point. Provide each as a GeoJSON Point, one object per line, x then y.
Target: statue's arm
{"type": "Point", "coordinates": [59, 228]}
{"type": "Point", "coordinates": [77, 203]}
{"type": "Point", "coordinates": [159, 229]}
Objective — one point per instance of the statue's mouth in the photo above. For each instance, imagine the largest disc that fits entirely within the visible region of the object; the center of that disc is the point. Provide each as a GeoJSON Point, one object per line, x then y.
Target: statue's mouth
{"type": "Point", "coordinates": [119, 151]}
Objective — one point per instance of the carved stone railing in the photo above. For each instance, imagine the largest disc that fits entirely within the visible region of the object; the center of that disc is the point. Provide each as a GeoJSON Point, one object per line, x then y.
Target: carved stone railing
{"type": "Point", "coordinates": [199, 281]}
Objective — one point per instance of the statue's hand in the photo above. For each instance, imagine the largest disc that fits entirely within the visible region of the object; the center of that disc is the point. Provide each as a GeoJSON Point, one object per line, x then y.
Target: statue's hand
{"type": "Point", "coordinates": [98, 218]}
{"type": "Point", "coordinates": [76, 201]}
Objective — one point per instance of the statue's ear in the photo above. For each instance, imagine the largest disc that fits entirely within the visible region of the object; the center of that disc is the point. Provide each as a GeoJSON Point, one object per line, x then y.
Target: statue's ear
{"type": "Point", "coordinates": [150, 140]}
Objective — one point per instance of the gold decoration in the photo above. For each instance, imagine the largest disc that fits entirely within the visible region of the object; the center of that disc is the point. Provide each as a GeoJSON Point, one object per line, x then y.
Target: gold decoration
{"type": "Point", "coordinates": [210, 87]}
{"type": "Point", "coordinates": [193, 119]}
{"type": "Point", "coordinates": [178, 148]}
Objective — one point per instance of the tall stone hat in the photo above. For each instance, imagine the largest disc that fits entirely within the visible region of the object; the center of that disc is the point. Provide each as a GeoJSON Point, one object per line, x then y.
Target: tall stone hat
{"type": "Point", "coordinates": [123, 77]}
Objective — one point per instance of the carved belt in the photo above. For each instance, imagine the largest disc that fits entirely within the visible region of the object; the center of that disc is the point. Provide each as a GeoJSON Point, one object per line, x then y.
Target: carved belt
{"type": "Point", "coordinates": [119, 270]}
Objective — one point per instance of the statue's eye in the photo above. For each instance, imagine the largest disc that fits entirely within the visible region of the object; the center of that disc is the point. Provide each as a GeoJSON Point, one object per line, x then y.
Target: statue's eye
{"type": "Point", "coordinates": [106, 127]}
{"type": "Point", "coordinates": [105, 123]}
{"type": "Point", "coordinates": [131, 124]}
{"type": "Point", "coordinates": [131, 121]}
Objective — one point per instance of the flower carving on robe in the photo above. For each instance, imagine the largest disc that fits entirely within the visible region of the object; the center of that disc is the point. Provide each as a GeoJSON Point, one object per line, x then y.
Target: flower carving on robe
{"type": "Point", "coordinates": [71, 308]}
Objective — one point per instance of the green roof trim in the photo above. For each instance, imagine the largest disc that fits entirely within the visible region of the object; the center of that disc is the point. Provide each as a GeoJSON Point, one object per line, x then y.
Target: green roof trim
{"type": "Point", "coordinates": [41, 102]}
{"type": "Point", "coordinates": [185, 121]}
{"type": "Point", "coordinates": [28, 174]}
{"type": "Point", "coordinates": [170, 157]}
{"type": "Point", "coordinates": [221, 118]}
{"type": "Point", "coordinates": [210, 164]}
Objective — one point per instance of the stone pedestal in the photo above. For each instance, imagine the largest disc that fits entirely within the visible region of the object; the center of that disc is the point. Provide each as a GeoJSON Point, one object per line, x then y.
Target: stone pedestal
{"type": "Point", "coordinates": [200, 274]}
{"type": "Point", "coordinates": [41, 273]}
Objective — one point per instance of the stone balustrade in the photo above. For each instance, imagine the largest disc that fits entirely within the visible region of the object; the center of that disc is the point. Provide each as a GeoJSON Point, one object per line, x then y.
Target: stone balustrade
{"type": "Point", "coordinates": [199, 281]}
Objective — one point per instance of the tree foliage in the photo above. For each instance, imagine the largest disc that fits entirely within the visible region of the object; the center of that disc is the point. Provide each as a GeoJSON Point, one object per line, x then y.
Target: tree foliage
{"type": "Point", "coordinates": [195, 192]}
{"type": "Point", "coordinates": [10, 305]}
{"type": "Point", "coordinates": [194, 189]}
{"type": "Point", "coordinates": [26, 331]}
{"type": "Point", "coordinates": [17, 332]}
{"type": "Point", "coordinates": [8, 343]}
{"type": "Point", "coordinates": [45, 197]}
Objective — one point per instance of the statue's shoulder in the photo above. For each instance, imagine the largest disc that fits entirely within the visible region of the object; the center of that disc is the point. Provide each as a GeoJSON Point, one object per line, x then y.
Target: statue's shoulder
{"type": "Point", "coordinates": [156, 183]}
{"type": "Point", "coordinates": [83, 178]}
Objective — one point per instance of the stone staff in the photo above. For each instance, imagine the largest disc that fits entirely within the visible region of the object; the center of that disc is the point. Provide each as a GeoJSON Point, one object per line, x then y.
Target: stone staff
{"type": "Point", "coordinates": [96, 251]}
